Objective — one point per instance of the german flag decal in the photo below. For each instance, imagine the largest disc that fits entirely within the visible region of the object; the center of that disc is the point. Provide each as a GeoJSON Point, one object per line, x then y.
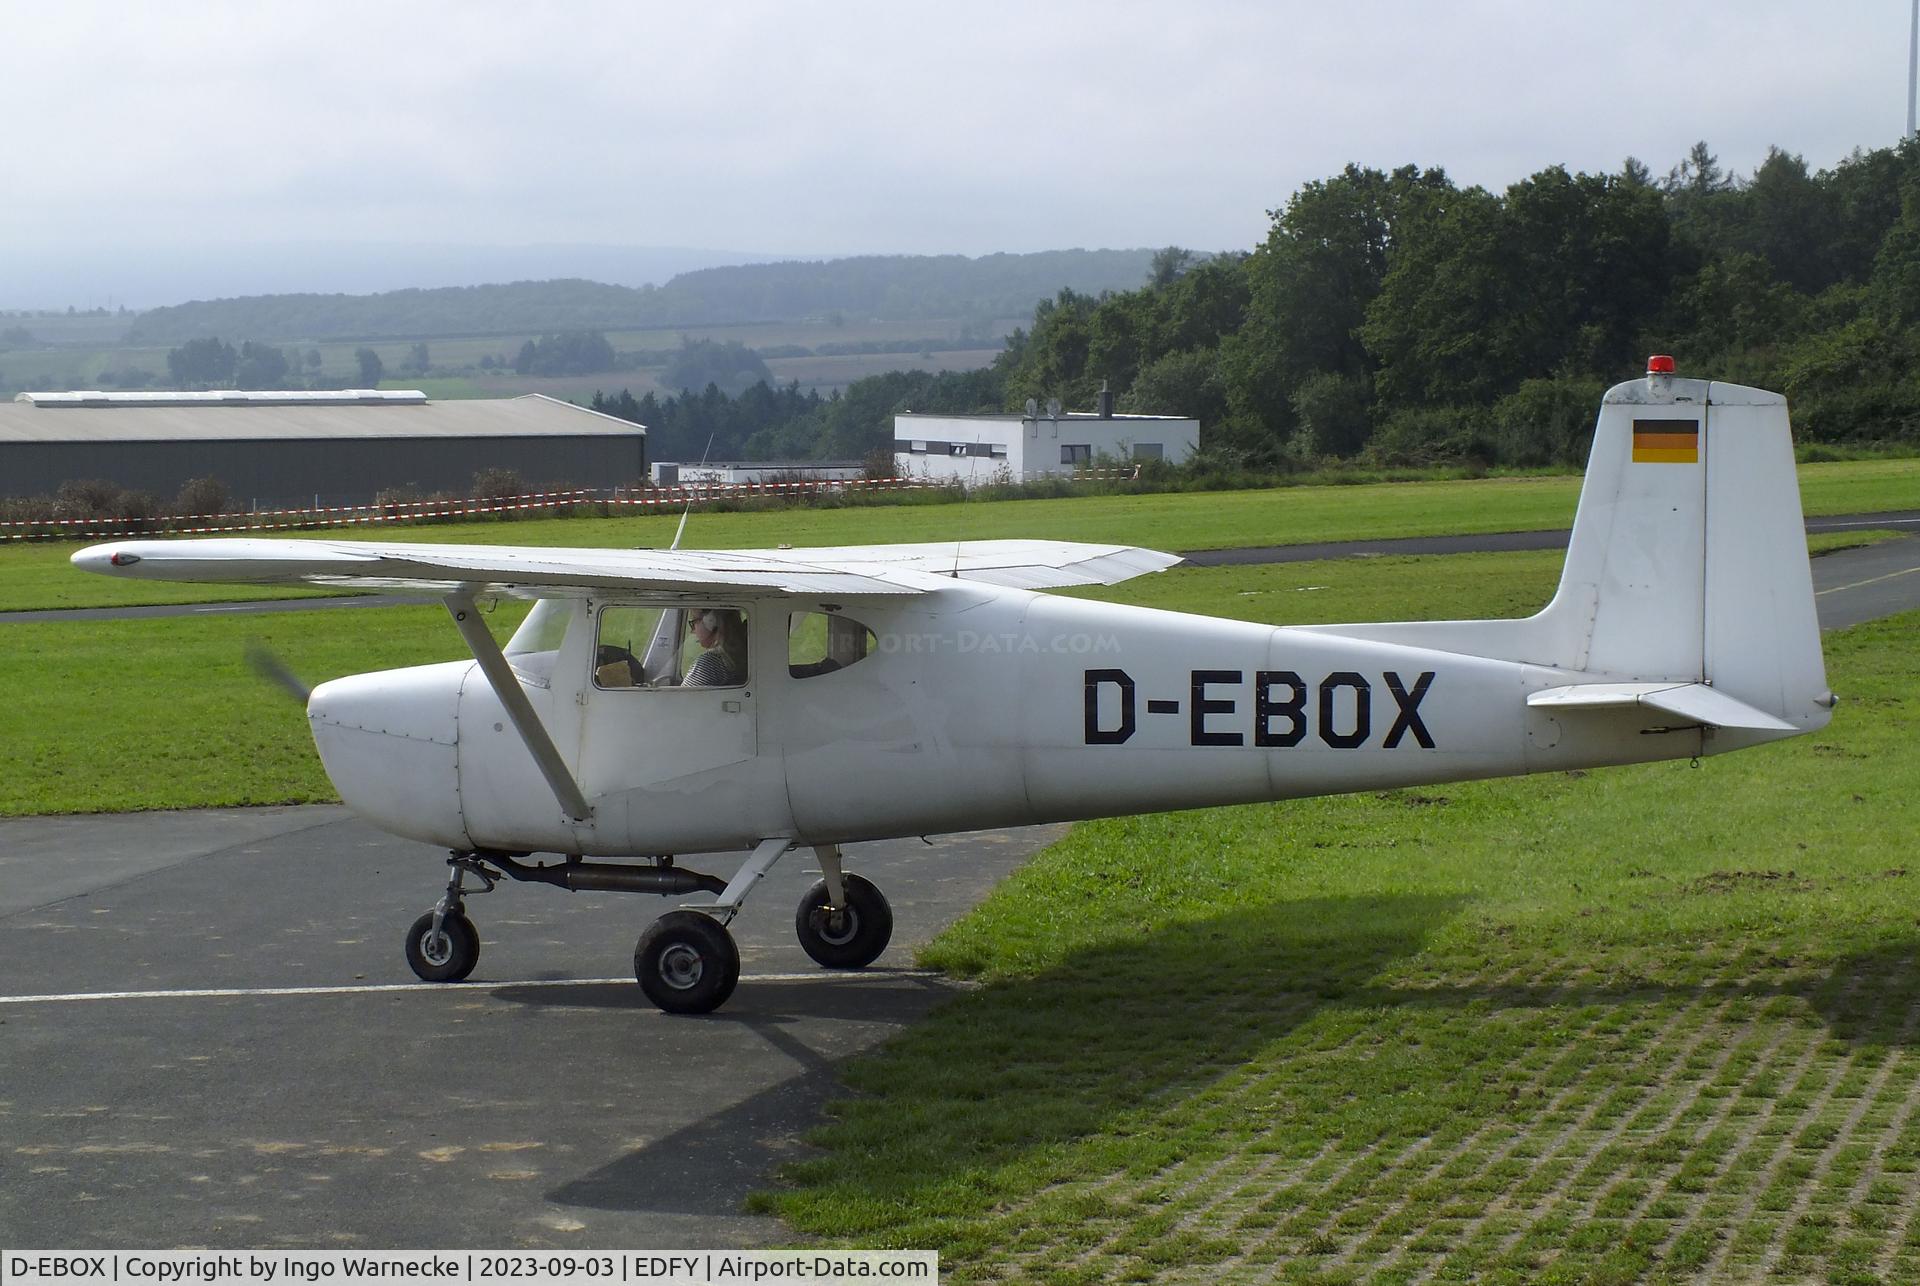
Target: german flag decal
{"type": "Point", "coordinates": [1666, 442]}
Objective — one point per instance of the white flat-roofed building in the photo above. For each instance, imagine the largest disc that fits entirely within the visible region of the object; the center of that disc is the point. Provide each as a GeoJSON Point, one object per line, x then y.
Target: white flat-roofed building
{"type": "Point", "coordinates": [976, 448]}
{"type": "Point", "coordinates": [680, 473]}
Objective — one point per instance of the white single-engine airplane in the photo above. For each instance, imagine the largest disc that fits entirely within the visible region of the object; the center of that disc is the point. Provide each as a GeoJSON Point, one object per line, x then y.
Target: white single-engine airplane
{"type": "Point", "coordinates": [657, 703]}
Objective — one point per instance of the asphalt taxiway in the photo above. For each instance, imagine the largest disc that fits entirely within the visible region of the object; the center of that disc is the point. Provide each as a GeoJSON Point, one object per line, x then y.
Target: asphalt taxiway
{"type": "Point", "coordinates": [210, 1038]}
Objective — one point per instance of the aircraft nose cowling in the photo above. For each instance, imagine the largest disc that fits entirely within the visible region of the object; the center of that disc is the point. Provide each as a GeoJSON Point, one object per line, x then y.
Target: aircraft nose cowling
{"type": "Point", "coordinates": [390, 744]}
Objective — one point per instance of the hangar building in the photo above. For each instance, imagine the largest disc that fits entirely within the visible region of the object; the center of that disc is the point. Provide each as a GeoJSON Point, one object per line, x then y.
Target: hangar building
{"type": "Point", "coordinates": [275, 449]}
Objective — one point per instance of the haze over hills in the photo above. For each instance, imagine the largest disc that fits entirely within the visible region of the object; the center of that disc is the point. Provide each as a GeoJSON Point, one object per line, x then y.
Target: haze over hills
{"type": "Point", "coordinates": [141, 276]}
{"type": "Point", "coordinates": [879, 287]}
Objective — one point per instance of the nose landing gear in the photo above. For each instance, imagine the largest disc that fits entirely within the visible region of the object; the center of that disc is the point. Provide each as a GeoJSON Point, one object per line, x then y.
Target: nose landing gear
{"type": "Point", "coordinates": [443, 945]}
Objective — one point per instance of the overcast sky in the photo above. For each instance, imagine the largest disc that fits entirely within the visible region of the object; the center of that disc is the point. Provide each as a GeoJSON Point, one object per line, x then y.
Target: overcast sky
{"type": "Point", "coordinates": [840, 128]}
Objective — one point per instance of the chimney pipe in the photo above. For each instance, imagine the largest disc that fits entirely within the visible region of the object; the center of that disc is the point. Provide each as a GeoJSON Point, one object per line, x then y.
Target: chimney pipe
{"type": "Point", "coordinates": [1106, 402]}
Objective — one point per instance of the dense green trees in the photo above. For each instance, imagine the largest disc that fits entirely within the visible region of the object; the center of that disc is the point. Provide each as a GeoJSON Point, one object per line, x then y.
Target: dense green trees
{"type": "Point", "coordinates": [205, 362]}
{"type": "Point", "coordinates": [570, 352]}
{"type": "Point", "coordinates": [1399, 315]}
{"type": "Point", "coordinates": [731, 365]}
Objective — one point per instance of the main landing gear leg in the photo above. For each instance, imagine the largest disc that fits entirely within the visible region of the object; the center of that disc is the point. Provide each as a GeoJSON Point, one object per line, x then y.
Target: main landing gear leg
{"type": "Point", "coordinates": [843, 922]}
{"type": "Point", "coordinates": [686, 961]}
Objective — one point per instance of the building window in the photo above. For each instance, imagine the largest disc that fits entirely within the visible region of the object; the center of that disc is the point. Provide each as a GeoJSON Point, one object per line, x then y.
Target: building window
{"type": "Point", "coordinates": [913, 448]}
{"type": "Point", "coordinates": [999, 452]}
{"type": "Point", "coordinates": [1076, 454]}
{"type": "Point", "coordinates": [1149, 451]}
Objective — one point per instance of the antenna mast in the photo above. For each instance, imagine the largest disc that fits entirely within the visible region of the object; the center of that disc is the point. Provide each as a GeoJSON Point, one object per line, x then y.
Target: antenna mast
{"type": "Point", "coordinates": [1913, 64]}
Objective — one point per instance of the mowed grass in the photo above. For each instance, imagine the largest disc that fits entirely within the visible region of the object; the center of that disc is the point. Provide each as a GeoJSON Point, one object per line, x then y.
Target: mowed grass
{"type": "Point", "coordinates": [115, 716]}
{"type": "Point", "coordinates": [1644, 1024]}
{"type": "Point", "coordinates": [38, 576]}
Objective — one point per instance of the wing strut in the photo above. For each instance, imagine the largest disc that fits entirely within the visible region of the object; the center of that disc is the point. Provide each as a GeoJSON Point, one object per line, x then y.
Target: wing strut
{"type": "Point", "coordinates": [506, 686]}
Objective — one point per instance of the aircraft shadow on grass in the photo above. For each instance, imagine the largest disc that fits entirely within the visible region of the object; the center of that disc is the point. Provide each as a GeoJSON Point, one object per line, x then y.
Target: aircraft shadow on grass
{"type": "Point", "coordinates": [1116, 1027]}
{"type": "Point", "coordinates": [1213, 991]}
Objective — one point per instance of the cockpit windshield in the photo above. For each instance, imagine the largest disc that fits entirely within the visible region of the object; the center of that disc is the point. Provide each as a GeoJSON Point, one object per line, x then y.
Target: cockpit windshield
{"type": "Point", "coordinates": [535, 646]}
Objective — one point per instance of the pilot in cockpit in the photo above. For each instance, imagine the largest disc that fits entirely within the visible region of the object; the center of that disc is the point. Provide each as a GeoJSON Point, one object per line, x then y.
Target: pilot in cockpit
{"type": "Point", "coordinates": [721, 633]}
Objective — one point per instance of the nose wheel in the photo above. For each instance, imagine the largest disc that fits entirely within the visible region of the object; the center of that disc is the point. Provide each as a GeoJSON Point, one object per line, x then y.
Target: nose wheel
{"type": "Point", "coordinates": [444, 953]}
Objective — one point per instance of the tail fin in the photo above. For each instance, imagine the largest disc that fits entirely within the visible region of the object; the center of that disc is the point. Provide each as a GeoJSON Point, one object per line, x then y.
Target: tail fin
{"type": "Point", "coordinates": [1689, 554]}
{"type": "Point", "coordinates": [1687, 566]}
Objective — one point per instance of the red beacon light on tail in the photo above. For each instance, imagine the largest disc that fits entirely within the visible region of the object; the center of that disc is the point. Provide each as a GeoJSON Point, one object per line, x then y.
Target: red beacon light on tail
{"type": "Point", "coordinates": [1659, 364]}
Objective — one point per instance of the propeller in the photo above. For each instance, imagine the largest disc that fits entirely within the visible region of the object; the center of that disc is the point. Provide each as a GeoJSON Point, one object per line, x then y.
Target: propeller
{"type": "Point", "coordinates": [269, 666]}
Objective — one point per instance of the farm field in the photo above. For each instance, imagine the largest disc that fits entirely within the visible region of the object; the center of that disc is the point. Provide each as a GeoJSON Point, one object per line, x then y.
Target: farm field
{"type": "Point", "coordinates": [1643, 1024]}
{"type": "Point", "coordinates": [37, 575]}
{"type": "Point", "coordinates": [81, 364]}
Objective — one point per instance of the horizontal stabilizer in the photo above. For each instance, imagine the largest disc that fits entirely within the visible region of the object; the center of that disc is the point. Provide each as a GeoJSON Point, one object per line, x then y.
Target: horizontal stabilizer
{"type": "Point", "coordinates": [1693, 702]}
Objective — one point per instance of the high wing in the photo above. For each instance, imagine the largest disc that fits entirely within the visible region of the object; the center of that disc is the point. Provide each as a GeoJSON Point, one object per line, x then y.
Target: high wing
{"type": "Point", "coordinates": [534, 571]}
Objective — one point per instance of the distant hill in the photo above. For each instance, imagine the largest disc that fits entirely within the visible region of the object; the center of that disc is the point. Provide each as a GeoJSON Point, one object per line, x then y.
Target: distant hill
{"type": "Point", "coordinates": [882, 287]}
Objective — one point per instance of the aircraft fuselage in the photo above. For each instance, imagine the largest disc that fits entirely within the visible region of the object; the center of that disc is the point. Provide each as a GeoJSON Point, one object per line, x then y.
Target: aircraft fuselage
{"type": "Point", "coordinates": [977, 707]}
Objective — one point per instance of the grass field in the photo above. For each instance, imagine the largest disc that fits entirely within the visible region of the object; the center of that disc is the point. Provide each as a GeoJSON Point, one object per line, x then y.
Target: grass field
{"type": "Point", "coordinates": [1640, 1024]}
{"type": "Point", "coordinates": [38, 575]}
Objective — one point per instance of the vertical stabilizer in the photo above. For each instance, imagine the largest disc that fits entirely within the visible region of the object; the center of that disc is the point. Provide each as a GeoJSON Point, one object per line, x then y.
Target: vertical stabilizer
{"type": "Point", "coordinates": [1687, 565]}
{"type": "Point", "coordinates": [1689, 551]}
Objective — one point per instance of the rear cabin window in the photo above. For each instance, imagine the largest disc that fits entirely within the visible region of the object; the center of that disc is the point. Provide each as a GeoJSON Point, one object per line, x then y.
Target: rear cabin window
{"type": "Point", "coordinates": [821, 642]}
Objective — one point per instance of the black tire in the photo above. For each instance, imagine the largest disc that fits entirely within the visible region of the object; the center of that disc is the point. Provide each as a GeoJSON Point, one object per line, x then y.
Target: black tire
{"type": "Point", "coordinates": [452, 957]}
{"type": "Point", "coordinates": [687, 963]}
{"type": "Point", "coordinates": [852, 937]}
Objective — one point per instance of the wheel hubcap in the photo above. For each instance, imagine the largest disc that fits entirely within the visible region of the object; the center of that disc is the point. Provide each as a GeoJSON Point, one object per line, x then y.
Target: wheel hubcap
{"type": "Point", "coordinates": [436, 948]}
{"type": "Point", "coordinates": [836, 927]}
{"type": "Point", "coordinates": [680, 966]}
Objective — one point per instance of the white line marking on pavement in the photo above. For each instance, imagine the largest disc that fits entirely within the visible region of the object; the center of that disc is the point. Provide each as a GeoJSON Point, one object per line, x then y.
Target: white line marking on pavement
{"type": "Point", "coordinates": [1872, 580]}
{"type": "Point", "coordinates": [442, 988]}
{"type": "Point", "coordinates": [1884, 522]}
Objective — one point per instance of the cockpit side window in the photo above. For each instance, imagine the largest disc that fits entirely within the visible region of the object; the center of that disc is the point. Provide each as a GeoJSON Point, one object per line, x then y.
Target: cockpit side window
{"type": "Point", "coordinates": [822, 642]}
{"type": "Point", "coordinates": [670, 647]}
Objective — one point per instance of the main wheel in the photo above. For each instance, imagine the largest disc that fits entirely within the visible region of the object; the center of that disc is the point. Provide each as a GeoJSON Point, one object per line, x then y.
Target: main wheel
{"type": "Point", "coordinates": [847, 937]}
{"type": "Point", "coordinates": [447, 956]}
{"type": "Point", "coordinates": [687, 963]}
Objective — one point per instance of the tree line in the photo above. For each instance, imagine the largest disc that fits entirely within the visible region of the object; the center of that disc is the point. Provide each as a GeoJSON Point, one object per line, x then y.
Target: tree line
{"type": "Point", "coordinates": [1401, 316]}
{"type": "Point", "coordinates": [887, 287]}
{"type": "Point", "coordinates": [1397, 317]}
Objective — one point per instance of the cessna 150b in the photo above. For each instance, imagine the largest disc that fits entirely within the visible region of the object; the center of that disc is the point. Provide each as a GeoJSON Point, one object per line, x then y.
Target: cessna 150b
{"type": "Point", "coordinates": [660, 703]}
